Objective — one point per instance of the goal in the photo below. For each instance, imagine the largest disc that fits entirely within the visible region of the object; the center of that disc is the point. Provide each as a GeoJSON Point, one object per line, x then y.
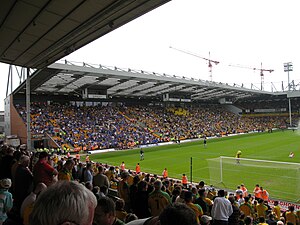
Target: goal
{"type": "Point", "coordinates": [280, 179]}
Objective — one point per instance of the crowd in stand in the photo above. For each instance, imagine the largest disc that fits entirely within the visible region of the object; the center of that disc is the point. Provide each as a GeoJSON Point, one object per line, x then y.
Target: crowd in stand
{"type": "Point", "coordinates": [103, 127]}
{"type": "Point", "coordinates": [40, 189]}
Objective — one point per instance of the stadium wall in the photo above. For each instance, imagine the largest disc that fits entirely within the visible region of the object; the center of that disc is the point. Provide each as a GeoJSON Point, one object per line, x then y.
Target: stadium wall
{"type": "Point", "coordinates": [17, 124]}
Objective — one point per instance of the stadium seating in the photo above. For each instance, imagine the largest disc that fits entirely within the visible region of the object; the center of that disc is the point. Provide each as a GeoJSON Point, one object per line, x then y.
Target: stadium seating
{"type": "Point", "coordinates": [103, 127]}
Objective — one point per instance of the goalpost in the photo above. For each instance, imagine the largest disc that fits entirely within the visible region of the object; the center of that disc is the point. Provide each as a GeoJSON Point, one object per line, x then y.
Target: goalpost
{"type": "Point", "coordinates": [280, 179]}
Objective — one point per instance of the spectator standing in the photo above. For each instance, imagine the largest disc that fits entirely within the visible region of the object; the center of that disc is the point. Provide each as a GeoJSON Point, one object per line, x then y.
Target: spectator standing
{"type": "Point", "coordinates": [276, 210]}
{"type": "Point", "coordinates": [43, 172]}
{"type": "Point", "coordinates": [141, 201]}
{"type": "Point", "coordinates": [23, 181]}
{"type": "Point", "coordinates": [133, 190]}
{"type": "Point", "coordinates": [236, 213]}
{"type": "Point", "coordinates": [261, 209]}
{"type": "Point", "coordinates": [246, 207]}
{"type": "Point", "coordinates": [6, 163]}
{"type": "Point", "coordinates": [204, 202]}
{"type": "Point", "coordinates": [123, 190]}
{"type": "Point", "coordinates": [188, 198]}
{"type": "Point", "coordinates": [290, 215]}
{"type": "Point", "coordinates": [6, 200]}
{"type": "Point", "coordinates": [100, 179]}
{"type": "Point", "coordinates": [88, 173]}
{"type": "Point", "coordinates": [66, 172]}
{"type": "Point", "coordinates": [221, 209]}
{"type": "Point", "coordinates": [158, 200]}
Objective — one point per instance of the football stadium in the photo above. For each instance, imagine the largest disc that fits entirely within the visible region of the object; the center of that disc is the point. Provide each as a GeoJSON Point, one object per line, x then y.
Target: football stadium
{"type": "Point", "coordinates": [88, 141]}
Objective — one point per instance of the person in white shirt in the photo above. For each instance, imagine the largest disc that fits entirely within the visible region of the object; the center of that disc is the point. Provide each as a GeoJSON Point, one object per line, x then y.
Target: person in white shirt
{"type": "Point", "coordinates": [221, 209]}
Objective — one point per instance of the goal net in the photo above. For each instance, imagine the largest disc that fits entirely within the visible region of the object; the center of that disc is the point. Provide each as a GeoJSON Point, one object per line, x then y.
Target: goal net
{"type": "Point", "coordinates": [280, 179]}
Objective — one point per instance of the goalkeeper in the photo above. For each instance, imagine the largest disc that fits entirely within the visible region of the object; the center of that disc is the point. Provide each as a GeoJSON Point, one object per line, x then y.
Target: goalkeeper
{"type": "Point", "coordinates": [238, 156]}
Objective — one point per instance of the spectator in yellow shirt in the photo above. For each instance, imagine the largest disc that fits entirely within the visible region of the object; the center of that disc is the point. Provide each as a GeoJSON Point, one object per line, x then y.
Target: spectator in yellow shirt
{"type": "Point", "coordinates": [290, 216]}
{"type": "Point", "coordinates": [66, 172]}
{"type": "Point", "coordinates": [261, 209]}
{"type": "Point", "coordinates": [276, 210]}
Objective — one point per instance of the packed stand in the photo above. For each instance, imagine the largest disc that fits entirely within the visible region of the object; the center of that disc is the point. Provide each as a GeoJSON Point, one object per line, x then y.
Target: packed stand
{"type": "Point", "coordinates": [88, 193]}
{"type": "Point", "coordinates": [104, 127]}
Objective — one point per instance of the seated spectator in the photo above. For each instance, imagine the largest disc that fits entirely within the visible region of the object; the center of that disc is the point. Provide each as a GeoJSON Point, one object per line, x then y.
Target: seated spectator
{"type": "Point", "coordinates": [74, 204]}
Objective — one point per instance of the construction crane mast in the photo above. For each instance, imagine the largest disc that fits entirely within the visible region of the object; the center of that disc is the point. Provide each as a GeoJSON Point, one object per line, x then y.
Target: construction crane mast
{"type": "Point", "coordinates": [209, 61]}
{"type": "Point", "coordinates": [255, 68]}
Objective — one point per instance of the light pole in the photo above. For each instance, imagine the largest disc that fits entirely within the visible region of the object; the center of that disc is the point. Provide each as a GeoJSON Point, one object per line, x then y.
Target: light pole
{"type": "Point", "coordinates": [287, 68]}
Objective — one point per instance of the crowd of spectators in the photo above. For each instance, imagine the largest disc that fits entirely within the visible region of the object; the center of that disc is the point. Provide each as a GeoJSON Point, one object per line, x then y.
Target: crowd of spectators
{"type": "Point", "coordinates": [49, 189]}
{"type": "Point", "coordinates": [103, 127]}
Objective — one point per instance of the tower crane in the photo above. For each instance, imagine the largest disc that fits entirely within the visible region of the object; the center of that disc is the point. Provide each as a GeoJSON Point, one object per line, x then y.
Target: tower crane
{"type": "Point", "coordinates": [261, 69]}
{"type": "Point", "coordinates": [209, 61]}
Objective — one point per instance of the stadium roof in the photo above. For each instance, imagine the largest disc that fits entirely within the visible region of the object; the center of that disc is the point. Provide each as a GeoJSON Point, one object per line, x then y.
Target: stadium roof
{"type": "Point", "coordinates": [36, 34]}
{"type": "Point", "coordinates": [99, 80]}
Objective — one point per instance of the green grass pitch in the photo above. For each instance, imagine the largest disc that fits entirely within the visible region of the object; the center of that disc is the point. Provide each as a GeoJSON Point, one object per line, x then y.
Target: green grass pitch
{"type": "Point", "coordinates": [280, 181]}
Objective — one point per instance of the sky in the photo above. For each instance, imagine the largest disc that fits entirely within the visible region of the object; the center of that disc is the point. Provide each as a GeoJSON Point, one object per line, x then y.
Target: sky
{"type": "Point", "coordinates": [240, 33]}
